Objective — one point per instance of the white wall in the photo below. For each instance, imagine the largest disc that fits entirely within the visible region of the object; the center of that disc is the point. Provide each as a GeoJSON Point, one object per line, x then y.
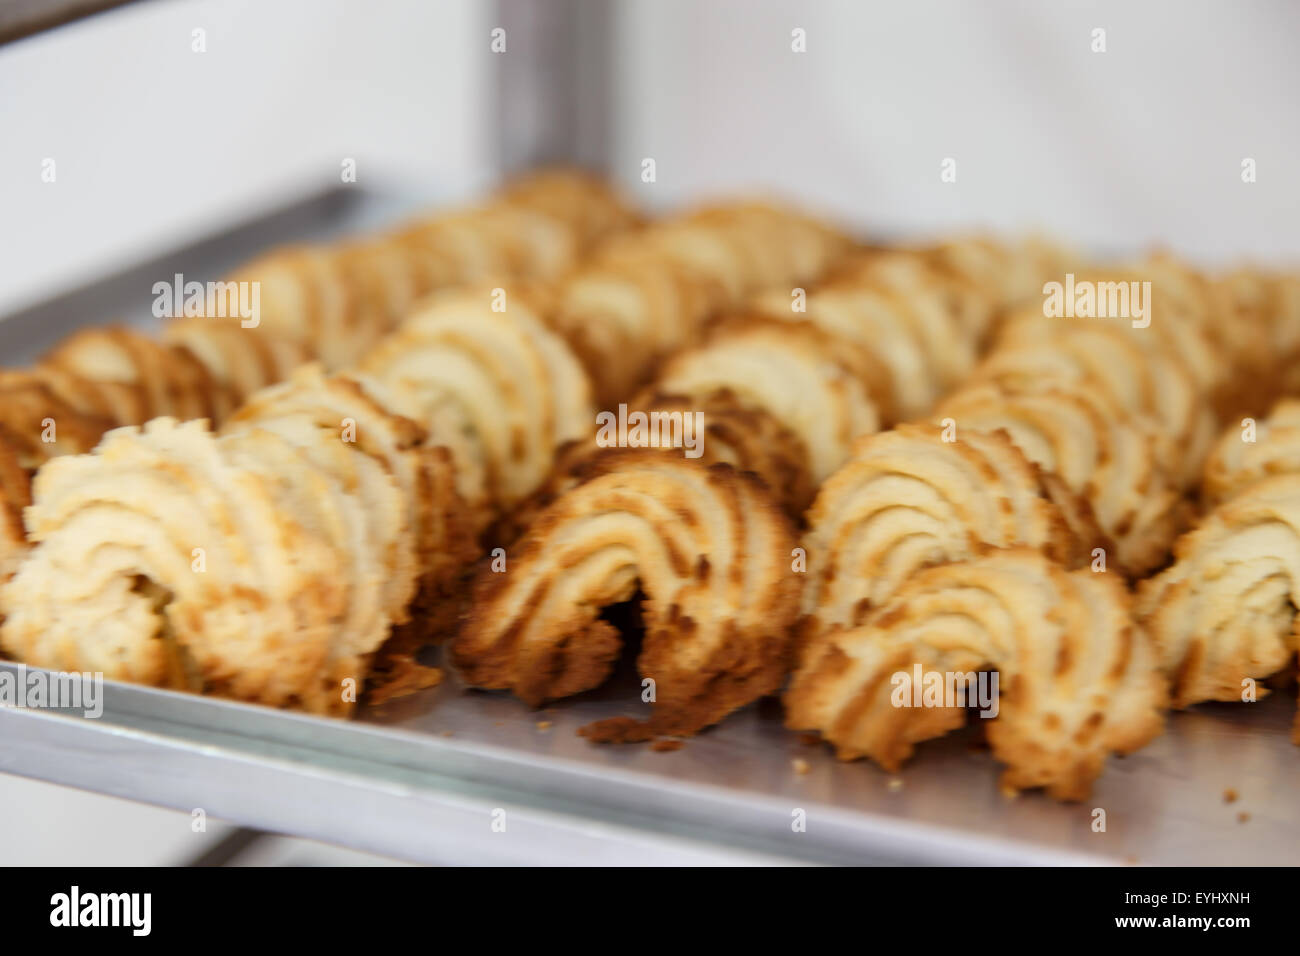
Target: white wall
{"type": "Point", "coordinates": [154, 143]}
{"type": "Point", "coordinates": [1142, 143]}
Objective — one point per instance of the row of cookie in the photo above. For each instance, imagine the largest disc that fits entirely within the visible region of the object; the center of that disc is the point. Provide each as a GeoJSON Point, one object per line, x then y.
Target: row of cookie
{"type": "Point", "coordinates": [788, 381]}
{"type": "Point", "coordinates": [1223, 615]}
{"type": "Point", "coordinates": [324, 302]}
{"type": "Point", "coordinates": [1075, 438]}
{"type": "Point", "coordinates": [270, 560]}
{"type": "Point", "coordinates": [328, 302]}
{"type": "Point", "coordinates": [337, 300]}
{"type": "Point", "coordinates": [785, 389]}
{"type": "Point", "coordinates": [479, 375]}
{"type": "Point", "coordinates": [994, 508]}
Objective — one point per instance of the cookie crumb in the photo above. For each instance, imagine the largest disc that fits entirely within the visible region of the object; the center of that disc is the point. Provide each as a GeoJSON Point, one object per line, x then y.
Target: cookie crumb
{"type": "Point", "coordinates": [543, 725]}
{"type": "Point", "coordinates": [895, 784]}
{"type": "Point", "coordinates": [1243, 817]}
{"type": "Point", "coordinates": [667, 745]}
{"type": "Point", "coordinates": [800, 765]}
{"type": "Point", "coordinates": [1230, 796]}
{"type": "Point", "coordinates": [447, 733]}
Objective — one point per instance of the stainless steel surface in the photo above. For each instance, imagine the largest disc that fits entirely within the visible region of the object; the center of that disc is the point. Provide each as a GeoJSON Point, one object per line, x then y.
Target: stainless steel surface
{"type": "Point", "coordinates": [421, 777]}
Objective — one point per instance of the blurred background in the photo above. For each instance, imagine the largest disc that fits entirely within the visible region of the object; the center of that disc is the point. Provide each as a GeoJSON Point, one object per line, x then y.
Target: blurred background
{"type": "Point", "coordinates": [155, 143]}
{"type": "Point", "coordinates": [1114, 125]}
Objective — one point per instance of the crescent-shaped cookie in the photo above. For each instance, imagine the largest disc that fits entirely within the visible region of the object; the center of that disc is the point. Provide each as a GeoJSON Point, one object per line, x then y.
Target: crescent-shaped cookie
{"type": "Point", "coordinates": [498, 389]}
{"type": "Point", "coordinates": [648, 294]}
{"type": "Point", "coordinates": [1110, 458]}
{"type": "Point", "coordinates": [1077, 680]}
{"type": "Point", "coordinates": [354, 410]}
{"type": "Point", "coordinates": [717, 429]}
{"type": "Point", "coordinates": [1223, 614]}
{"type": "Point", "coordinates": [1243, 455]}
{"type": "Point", "coordinates": [709, 549]}
{"type": "Point", "coordinates": [260, 565]}
{"type": "Point", "coordinates": [239, 360]}
{"type": "Point", "coordinates": [907, 499]}
{"type": "Point", "coordinates": [797, 373]}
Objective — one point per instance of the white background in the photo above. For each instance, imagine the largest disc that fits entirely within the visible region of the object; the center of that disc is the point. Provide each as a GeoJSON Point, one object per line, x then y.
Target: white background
{"type": "Point", "coordinates": [154, 143]}
{"type": "Point", "coordinates": [1115, 150]}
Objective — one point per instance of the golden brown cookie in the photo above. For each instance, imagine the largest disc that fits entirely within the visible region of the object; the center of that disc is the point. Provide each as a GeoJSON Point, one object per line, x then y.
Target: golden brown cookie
{"type": "Point", "coordinates": [1223, 614]}
{"type": "Point", "coordinates": [907, 499]}
{"type": "Point", "coordinates": [263, 565]}
{"type": "Point", "coordinates": [1251, 450]}
{"type": "Point", "coordinates": [708, 547]}
{"type": "Point", "coordinates": [1077, 680]}
{"type": "Point", "coordinates": [498, 389]}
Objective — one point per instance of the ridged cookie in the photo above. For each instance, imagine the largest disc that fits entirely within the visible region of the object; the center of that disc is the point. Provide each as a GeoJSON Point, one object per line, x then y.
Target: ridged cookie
{"type": "Point", "coordinates": [1235, 463]}
{"type": "Point", "coordinates": [1110, 458]}
{"type": "Point", "coordinates": [1078, 680]}
{"type": "Point", "coordinates": [710, 550]}
{"type": "Point", "coordinates": [907, 500]}
{"type": "Point", "coordinates": [800, 375]}
{"type": "Point", "coordinates": [357, 411]}
{"type": "Point", "coordinates": [648, 294]}
{"type": "Point", "coordinates": [263, 565]}
{"type": "Point", "coordinates": [1223, 614]}
{"type": "Point", "coordinates": [499, 390]}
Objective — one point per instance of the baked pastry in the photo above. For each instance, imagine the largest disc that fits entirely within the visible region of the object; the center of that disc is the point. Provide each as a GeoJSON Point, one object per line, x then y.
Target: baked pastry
{"type": "Point", "coordinates": [1223, 613]}
{"type": "Point", "coordinates": [716, 429]}
{"type": "Point", "coordinates": [354, 410]}
{"type": "Point", "coordinates": [710, 550]}
{"type": "Point", "coordinates": [337, 301]}
{"type": "Point", "coordinates": [39, 423]}
{"type": "Point", "coordinates": [919, 354]}
{"type": "Point", "coordinates": [499, 390]}
{"type": "Point", "coordinates": [907, 500]}
{"type": "Point", "coordinates": [1078, 680]}
{"type": "Point", "coordinates": [1243, 348]}
{"type": "Point", "coordinates": [1148, 384]}
{"type": "Point", "coordinates": [648, 294]}
{"type": "Point", "coordinates": [134, 378]}
{"type": "Point", "coordinates": [928, 287]}
{"type": "Point", "coordinates": [36, 424]}
{"type": "Point", "coordinates": [587, 205]}
{"type": "Point", "coordinates": [263, 565]}
{"type": "Point", "coordinates": [239, 361]}
{"type": "Point", "coordinates": [1100, 452]}
{"type": "Point", "coordinates": [1236, 463]}
{"type": "Point", "coordinates": [808, 380]}
{"type": "Point", "coordinates": [1007, 273]}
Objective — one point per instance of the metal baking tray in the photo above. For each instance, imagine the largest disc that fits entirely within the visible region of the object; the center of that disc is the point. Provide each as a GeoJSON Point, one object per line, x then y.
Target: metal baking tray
{"type": "Point", "coordinates": [432, 777]}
